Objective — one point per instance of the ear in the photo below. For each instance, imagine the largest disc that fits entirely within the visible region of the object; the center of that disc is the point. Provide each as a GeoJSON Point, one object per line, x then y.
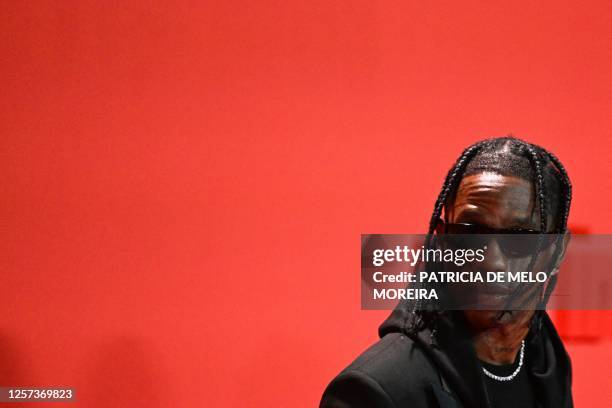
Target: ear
{"type": "Point", "coordinates": [551, 282]}
{"type": "Point", "coordinates": [564, 242]}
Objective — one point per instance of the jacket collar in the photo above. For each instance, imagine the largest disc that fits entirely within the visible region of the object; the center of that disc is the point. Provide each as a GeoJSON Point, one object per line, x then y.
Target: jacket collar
{"type": "Point", "coordinates": [452, 351]}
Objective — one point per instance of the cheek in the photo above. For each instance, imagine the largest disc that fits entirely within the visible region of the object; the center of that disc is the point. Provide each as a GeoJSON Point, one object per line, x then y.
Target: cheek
{"type": "Point", "coordinates": [520, 264]}
{"type": "Point", "coordinates": [542, 262]}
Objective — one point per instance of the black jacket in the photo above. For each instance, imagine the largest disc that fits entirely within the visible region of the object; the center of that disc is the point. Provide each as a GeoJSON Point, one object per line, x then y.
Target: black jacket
{"type": "Point", "coordinates": [421, 371]}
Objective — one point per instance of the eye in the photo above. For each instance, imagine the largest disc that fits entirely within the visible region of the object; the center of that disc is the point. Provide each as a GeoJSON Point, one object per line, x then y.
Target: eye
{"type": "Point", "coordinates": [519, 245]}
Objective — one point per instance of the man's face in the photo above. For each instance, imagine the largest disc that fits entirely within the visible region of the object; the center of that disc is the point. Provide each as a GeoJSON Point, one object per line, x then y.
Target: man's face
{"type": "Point", "coordinates": [501, 202]}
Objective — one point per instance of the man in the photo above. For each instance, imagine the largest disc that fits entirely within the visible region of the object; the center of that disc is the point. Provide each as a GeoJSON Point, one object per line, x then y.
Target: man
{"type": "Point", "coordinates": [477, 358]}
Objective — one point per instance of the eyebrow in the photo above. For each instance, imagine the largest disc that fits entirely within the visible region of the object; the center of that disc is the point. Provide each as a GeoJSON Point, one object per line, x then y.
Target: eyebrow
{"type": "Point", "coordinates": [470, 216]}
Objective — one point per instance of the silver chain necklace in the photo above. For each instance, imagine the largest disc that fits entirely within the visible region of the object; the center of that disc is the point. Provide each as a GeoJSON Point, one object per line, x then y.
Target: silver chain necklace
{"type": "Point", "coordinates": [514, 374]}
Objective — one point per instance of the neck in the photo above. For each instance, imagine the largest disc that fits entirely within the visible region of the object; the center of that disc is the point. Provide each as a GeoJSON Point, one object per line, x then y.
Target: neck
{"type": "Point", "coordinates": [499, 344]}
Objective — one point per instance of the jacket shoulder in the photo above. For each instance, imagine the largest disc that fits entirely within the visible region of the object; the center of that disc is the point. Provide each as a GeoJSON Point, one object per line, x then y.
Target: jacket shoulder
{"type": "Point", "coordinates": [393, 369]}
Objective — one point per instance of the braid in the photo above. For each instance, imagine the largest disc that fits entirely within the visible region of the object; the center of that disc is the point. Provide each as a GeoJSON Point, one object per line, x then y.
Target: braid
{"type": "Point", "coordinates": [535, 152]}
{"type": "Point", "coordinates": [539, 185]}
{"type": "Point", "coordinates": [562, 228]}
{"type": "Point", "coordinates": [568, 189]}
{"type": "Point", "coordinates": [541, 197]}
{"type": "Point", "coordinates": [451, 180]}
{"type": "Point", "coordinates": [422, 318]}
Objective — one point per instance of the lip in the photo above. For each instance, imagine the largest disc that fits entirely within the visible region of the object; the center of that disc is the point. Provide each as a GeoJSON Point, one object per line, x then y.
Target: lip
{"type": "Point", "coordinates": [489, 288]}
{"type": "Point", "coordinates": [485, 296]}
{"type": "Point", "coordinates": [490, 295]}
{"type": "Point", "coordinates": [493, 289]}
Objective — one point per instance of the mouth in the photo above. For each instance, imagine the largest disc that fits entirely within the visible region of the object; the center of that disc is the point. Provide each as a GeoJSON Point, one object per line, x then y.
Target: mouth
{"type": "Point", "coordinates": [493, 296]}
{"type": "Point", "coordinates": [485, 295]}
{"type": "Point", "coordinates": [505, 316]}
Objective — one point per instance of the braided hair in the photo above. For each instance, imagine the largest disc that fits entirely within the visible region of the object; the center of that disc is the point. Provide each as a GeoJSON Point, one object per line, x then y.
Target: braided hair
{"type": "Point", "coordinates": [512, 157]}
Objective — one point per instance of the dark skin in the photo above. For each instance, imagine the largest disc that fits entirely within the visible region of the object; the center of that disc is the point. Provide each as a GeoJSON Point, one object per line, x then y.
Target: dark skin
{"type": "Point", "coordinates": [500, 201]}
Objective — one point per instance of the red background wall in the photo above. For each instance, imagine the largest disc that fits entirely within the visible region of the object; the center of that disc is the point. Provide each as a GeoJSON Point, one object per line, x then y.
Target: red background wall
{"type": "Point", "coordinates": [184, 185]}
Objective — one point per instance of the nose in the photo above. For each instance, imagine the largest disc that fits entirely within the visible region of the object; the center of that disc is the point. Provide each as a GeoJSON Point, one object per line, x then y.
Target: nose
{"type": "Point", "coordinates": [494, 258]}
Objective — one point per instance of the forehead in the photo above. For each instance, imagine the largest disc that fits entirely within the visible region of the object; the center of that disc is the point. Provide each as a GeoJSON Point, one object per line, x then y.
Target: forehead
{"type": "Point", "coordinates": [496, 200]}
